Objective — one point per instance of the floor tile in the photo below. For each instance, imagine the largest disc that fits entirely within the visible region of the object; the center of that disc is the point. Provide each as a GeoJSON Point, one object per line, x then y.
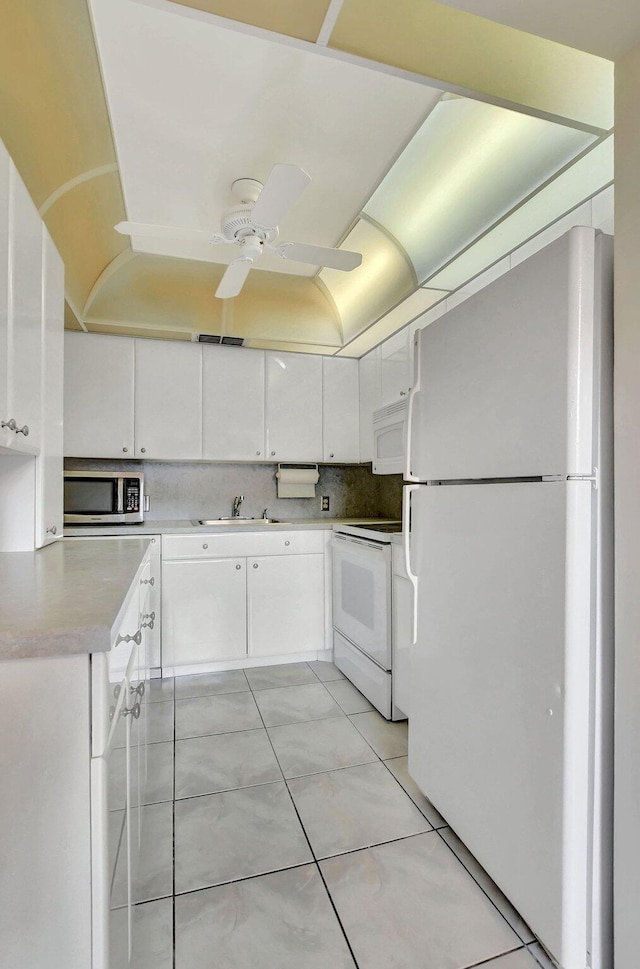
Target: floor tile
{"type": "Point", "coordinates": [387, 739]}
{"type": "Point", "coordinates": [206, 684]}
{"type": "Point", "coordinates": [320, 745]}
{"type": "Point", "coordinates": [326, 671]}
{"type": "Point", "coordinates": [488, 886]}
{"type": "Point", "coordinates": [350, 699]}
{"type": "Point", "coordinates": [411, 903]}
{"type": "Point", "coordinates": [154, 877]}
{"type": "Point", "coordinates": [278, 921]}
{"type": "Point", "coordinates": [399, 768]}
{"type": "Point", "coordinates": [160, 689]}
{"type": "Point", "coordinates": [224, 713]}
{"type": "Point", "coordinates": [207, 765]}
{"type": "Point", "coordinates": [353, 808]}
{"type": "Point", "coordinates": [223, 837]}
{"type": "Point", "coordinates": [160, 722]}
{"type": "Point", "coordinates": [288, 674]}
{"type": "Point", "coordinates": [542, 960]}
{"type": "Point", "coordinates": [159, 785]}
{"type": "Point", "coordinates": [294, 704]}
{"type": "Point", "coordinates": [152, 935]}
{"type": "Point", "coordinates": [521, 959]}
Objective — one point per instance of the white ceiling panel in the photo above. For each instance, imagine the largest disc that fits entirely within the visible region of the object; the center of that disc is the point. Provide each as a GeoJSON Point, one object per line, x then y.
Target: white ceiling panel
{"type": "Point", "coordinates": [194, 106]}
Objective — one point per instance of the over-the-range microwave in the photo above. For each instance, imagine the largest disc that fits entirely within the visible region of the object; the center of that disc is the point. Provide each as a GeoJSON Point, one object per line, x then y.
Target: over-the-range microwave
{"type": "Point", "coordinates": [389, 438]}
{"type": "Point", "coordinates": [103, 497]}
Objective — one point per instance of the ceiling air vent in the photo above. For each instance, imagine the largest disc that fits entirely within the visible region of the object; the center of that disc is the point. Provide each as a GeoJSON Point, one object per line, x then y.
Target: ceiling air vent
{"type": "Point", "coordinates": [227, 341]}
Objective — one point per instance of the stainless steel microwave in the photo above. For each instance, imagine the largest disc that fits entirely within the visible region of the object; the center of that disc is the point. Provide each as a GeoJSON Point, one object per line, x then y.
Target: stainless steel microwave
{"type": "Point", "coordinates": [103, 497]}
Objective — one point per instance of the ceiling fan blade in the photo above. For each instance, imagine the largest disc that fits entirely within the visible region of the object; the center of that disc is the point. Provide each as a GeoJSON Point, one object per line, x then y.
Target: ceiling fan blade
{"type": "Point", "coordinates": [283, 187]}
{"type": "Point", "coordinates": [320, 256]}
{"type": "Point", "coordinates": [234, 277]}
{"type": "Point", "coordinates": [146, 231]}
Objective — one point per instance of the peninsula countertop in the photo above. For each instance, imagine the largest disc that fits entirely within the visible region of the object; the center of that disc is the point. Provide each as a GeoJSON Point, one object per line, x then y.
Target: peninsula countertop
{"type": "Point", "coordinates": [65, 598]}
{"type": "Point", "coordinates": [189, 526]}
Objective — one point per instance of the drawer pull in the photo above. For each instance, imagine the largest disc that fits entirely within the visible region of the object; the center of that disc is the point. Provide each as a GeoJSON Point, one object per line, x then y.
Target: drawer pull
{"type": "Point", "coordinates": [148, 625]}
{"type": "Point", "coordinates": [136, 638]}
{"type": "Point", "coordinates": [238, 567]}
{"type": "Point", "coordinates": [11, 424]}
{"type": "Point", "coordinates": [23, 430]}
{"type": "Point", "coordinates": [255, 565]}
{"type": "Point", "coordinates": [287, 542]}
{"type": "Point", "coordinates": [133, 711]}
{"type": "Point", "coordinates": [116, 690]}
{"type": "Point", "coordinates": [139, 689]}
{"type": "Point", "coordinates": [205, 545]}
{"type": "Point", "coordinates": [150, 581]}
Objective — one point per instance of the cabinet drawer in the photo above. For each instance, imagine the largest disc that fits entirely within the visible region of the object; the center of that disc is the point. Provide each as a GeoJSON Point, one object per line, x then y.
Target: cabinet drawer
{"type": "Point", "coordinates": [220, 544]}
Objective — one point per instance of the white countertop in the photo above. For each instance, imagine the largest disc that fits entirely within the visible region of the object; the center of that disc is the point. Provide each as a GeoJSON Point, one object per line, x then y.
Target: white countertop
{"type": "Point", "coordinates": [65, 598]}
{"type": "Point", "coordinates": [186, 525]}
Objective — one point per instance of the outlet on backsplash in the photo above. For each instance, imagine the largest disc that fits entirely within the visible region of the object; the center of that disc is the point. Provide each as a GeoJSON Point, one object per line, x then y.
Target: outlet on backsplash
{"type": "Point", "coordinates": [324, 503]}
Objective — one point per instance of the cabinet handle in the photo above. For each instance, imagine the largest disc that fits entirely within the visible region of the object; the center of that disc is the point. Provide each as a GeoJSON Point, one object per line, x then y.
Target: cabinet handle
{"type": "Point", "coordinates": [139, 689]}
{"type": "Point", "coordinates": [133, 711]}
{"type": "Point", "coordinates": [53, 530]}
{"type": "Point", "coordinates": [331, 455]}
{"type": "Point", "coordinates": [205, 545]}
{"type": "Point", "coordinates": [150, 581]}
{"type": "Point", "coordinates": [255, 565]}
{"type": "Point", "coordinates": [116, 691]}
{"type": "Point", "coordinates": [258, 453]}
{"type": "Point", "coordinates": [143, 450]}
{"type": "Point", "coordinates": [125, 449]}
{"type": "Point", "coordinates": [403, 393]}
{"type": "Point", "coordinates": [238, 567]}
{"type": "Point", "coordinates": [149, 615]}
{"type": "Point", "coordinates": [23, 430]}
{"type": "Point", "coordinates": [273, 454]}
{"type": "Point", "coordinates": [11, 424]}
{"type": "Point", "coordinates": [136, 638]}
{"type": "Point", "coordinates": [287, 542]}
{"type": "Point", "coordinates": [148, 625]}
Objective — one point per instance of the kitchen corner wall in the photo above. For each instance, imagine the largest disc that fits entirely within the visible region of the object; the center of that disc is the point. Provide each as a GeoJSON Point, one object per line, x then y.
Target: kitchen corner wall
{"type": "Point", "coordinates": [180, 490]}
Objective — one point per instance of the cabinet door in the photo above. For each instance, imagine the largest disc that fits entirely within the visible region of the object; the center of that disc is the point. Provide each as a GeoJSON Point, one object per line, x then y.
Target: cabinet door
{"type": "Point", "coordinates": [4, 284]}
{"type": "Point", "coordinates": [168, 400]}
{"type": "Point", "coordinates": [49, 491]}
{"type": "Point", "coordinates": [25, 318]}
{"type": "Point", "coordinates": [203, 611]}
{"type": "Point", "coordinates": [395, 368]}
{"type": "Point", "coordinates": [294, 407]}
{"type": "Point", "coordinates": [98, 396]}
{"type": "Point", "coordinates": [340, 409]}
{"type": "Point", "coordinates": [369, 382]}
{"type": "Point", "coordinates": [232, 404]}
{"type": "Point", "coordinates": [285, 604]}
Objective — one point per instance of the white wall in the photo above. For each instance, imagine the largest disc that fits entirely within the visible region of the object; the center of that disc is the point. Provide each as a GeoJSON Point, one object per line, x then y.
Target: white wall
{"type": "Point", "coordinates": [627, 510]}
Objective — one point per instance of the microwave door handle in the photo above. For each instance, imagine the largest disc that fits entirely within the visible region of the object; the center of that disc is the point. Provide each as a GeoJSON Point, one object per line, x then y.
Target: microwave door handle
{"type": "Point", "coordinates": [415, 390]}
{"type": "Point", "coordinates": [120, 496]}
{"type": "Point", "coordinates": [406, 547]}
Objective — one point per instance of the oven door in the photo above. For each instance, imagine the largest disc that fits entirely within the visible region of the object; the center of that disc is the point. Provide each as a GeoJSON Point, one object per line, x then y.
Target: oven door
{"type": "Point", "coordinates": [362, 595]}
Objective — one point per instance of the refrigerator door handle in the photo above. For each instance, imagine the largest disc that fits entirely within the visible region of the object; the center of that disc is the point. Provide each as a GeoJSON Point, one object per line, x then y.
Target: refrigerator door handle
{"type": "Point", "coordinates": [406, 547]}
{"type": "Point", "coordinates": [415, 390]}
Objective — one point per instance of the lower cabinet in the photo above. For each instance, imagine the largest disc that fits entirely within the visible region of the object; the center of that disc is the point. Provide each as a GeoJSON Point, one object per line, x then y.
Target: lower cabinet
{"type": "Point", "coordinates": [221, 607]}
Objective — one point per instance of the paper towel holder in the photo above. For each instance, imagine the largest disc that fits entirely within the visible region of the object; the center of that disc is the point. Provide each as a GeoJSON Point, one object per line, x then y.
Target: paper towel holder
{"type": "Point", "coordinates": [297, 480]}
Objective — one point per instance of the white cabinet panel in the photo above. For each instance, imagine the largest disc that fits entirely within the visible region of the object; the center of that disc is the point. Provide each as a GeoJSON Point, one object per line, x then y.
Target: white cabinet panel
{"type": "Point", "coordinates": [98, 396]}
{"type": "Point", "coordinates": [232, 404]}
{"type": "Point", "coordinates": [25, 318]}
{"type": "Point", "coordinates": [4, 281]}
{"type": "Point", "coordinates": [294, 407]}
{"type": "Point", "coordinates": [168, 400]}
{"type": "Point", "coordinates": [49, 492]}
{"type": "Point", "coordinates": [203, 611]}
{"type": "Point", "coordinates": [340, 409]}
{"type": "Point", "coordinates": [395, 368]}
{"type": "Point", "coordinates": [369, 367]}
{"type": "Point", "coordinates": [285, 604]}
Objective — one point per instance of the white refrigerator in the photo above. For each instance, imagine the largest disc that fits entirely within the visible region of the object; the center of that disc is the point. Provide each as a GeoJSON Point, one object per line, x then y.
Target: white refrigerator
{"type": "Point", "coordinates": [509, 526]}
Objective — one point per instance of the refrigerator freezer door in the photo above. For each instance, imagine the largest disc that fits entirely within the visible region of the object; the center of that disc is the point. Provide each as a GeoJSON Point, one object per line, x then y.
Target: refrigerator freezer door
{"type": "Point", "coordinates": [500, 737]}
{"type": "Point", "coordinates": [507, 383]}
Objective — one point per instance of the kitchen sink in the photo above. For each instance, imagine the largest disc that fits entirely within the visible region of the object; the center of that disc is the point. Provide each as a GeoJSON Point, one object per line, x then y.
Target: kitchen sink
{"type": "Point", "coordinates": [238, 521]}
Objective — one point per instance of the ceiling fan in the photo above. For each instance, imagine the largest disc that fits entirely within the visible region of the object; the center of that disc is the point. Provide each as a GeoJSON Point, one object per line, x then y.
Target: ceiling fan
{"type": "Point", "coordinates": [252, 224]}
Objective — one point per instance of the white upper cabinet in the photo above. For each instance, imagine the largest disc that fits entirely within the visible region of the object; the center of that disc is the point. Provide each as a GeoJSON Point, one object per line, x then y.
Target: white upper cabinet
{"type": "Point", "coordinates": [24, 324]}
{"type": "Point", "coordinates": [98, 396]}
{"type": "Point", "coordinates": [395, 368]}
{"type": "Point", "coordinates": [340, 409]}
{"type": "Point", "coordinates": [168, 400]}
{"type": "Point", "coordinates": [369, 380]}
{"type": "Point", "coordinates": [49, 474]}
{"type": "Point", "coordinates": [293, 407]}
{"type": "Point", "coordinates": [232, 404]}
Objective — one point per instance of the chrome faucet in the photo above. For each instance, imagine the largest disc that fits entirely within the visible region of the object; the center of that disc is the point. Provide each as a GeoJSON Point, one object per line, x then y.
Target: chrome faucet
{"type": "Point", "coordinates": [237, 501]}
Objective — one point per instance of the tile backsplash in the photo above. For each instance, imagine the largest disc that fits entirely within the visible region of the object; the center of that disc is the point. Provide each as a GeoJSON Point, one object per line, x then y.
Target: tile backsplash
{"type": "Point", "coordinates": [184, 490]}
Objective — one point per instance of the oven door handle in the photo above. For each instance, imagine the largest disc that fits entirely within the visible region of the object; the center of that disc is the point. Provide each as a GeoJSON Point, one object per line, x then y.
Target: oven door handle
{"type": "Point", "coordinates": [406, 547]}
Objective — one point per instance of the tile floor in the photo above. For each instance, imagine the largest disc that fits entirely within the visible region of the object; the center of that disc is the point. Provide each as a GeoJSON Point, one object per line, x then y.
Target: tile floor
{"type": "Point", "coordinates": [282, 831]}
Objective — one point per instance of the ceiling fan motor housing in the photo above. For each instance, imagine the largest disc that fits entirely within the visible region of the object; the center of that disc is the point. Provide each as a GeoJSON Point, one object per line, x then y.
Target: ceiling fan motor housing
{"type": "Point", "coordinates": [237, 225]}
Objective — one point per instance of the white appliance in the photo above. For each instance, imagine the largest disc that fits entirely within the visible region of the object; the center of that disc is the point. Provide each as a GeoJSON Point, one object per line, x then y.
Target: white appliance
{"type": "Point", "coordinates": [510, 547]}
{"type": "Point", "coordinates": [362, 610]}
{"type": "Point", "coordinates": [389, 438]}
